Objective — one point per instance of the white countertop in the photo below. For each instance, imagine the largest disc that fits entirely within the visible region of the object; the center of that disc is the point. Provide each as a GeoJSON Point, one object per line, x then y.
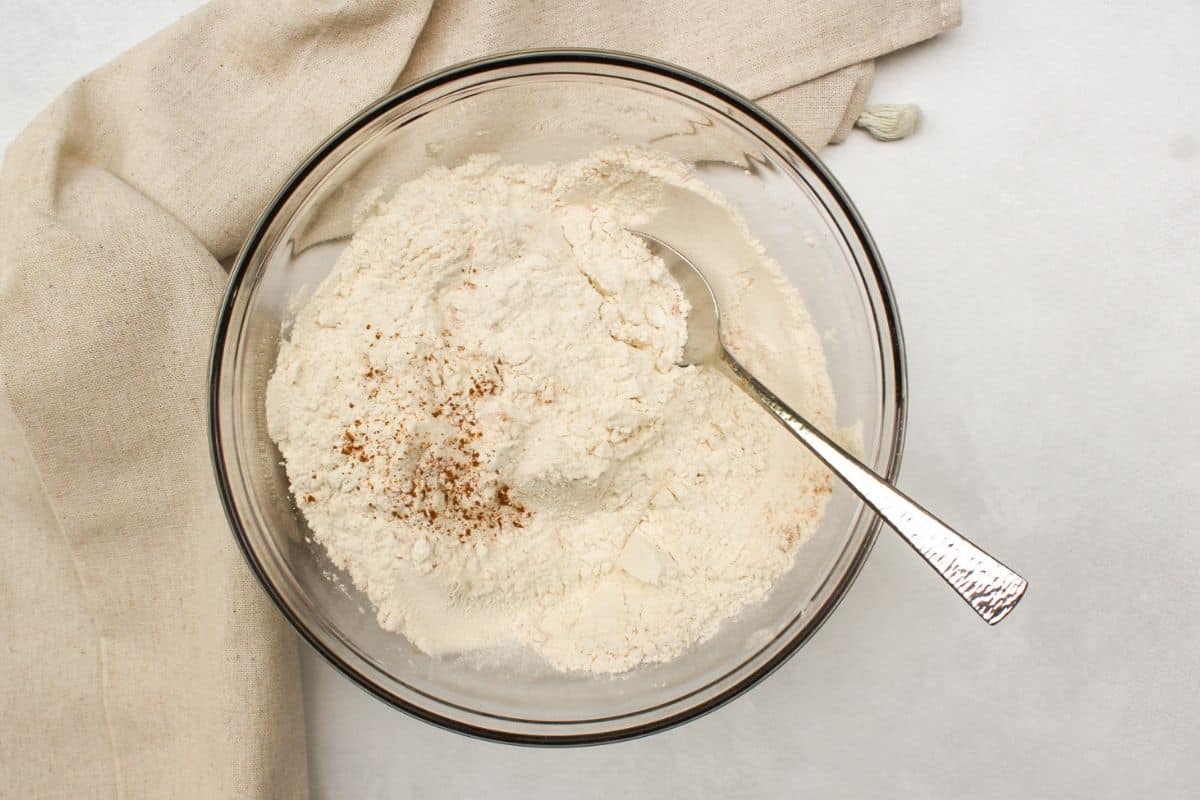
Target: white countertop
{"type": "Point", "coordinates": [1043, 236]}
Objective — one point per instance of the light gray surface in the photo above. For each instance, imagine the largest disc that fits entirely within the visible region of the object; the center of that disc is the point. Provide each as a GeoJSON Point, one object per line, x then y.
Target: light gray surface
{"type": "Point", "coordinates": [1043, 236]}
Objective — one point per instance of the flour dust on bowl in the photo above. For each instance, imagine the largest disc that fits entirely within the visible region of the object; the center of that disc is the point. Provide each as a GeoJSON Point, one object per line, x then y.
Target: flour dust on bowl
{"type": "Point", "coordinates": [449, 429]}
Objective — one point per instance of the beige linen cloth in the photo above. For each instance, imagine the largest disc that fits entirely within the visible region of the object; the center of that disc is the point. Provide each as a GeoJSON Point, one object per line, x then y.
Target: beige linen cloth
{"type": "Point", "coordinates": [140, 658]}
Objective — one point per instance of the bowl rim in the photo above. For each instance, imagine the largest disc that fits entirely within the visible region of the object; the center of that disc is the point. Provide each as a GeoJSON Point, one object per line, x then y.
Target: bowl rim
{"type": "Point", "coordinates": [532, 57]}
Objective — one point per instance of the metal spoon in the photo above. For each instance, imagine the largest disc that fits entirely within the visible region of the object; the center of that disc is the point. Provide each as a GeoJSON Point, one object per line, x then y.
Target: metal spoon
{"type": "Point", "coordinates": [988, 586]}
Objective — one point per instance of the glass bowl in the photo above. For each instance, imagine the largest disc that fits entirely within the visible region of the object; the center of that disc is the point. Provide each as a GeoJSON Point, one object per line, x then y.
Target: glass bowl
{"type": "Point", "coordinates": [555, 106]}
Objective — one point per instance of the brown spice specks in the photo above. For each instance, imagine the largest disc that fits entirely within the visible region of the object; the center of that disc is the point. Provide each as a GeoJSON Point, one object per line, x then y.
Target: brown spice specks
{"type": "Point", "coordinates": [435, 477]}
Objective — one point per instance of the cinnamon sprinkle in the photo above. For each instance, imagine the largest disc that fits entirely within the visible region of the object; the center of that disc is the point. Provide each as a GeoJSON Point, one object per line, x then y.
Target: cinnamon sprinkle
{"type": "Point", "coordinates": [446, 488]}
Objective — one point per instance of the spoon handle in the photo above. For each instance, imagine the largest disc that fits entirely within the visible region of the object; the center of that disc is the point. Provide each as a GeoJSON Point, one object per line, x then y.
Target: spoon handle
{"type": "Point", "coordinates": [988, 586]}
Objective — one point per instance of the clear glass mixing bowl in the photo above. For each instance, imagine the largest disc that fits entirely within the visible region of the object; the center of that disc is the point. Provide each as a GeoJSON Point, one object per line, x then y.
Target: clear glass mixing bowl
{"type": "Point", "coordinates": [539, 106]}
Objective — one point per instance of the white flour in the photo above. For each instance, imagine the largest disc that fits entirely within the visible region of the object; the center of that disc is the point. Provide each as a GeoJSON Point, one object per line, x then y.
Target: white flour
{"type": "Point", "coordinates": [483, 424]}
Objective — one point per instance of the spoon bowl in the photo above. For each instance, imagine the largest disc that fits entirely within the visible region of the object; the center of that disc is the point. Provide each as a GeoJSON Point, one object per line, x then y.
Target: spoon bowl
{"type": "Point", "coordinates": [703, 343]}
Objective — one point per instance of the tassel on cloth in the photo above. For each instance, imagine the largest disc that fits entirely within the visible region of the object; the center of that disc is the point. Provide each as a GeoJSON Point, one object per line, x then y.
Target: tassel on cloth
{"type": "Point", "coordinates": [890, 122]}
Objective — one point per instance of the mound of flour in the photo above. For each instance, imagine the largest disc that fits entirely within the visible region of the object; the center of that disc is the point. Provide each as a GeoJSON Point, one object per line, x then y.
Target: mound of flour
{"type": "Point", "coordinates": [482, 420]}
